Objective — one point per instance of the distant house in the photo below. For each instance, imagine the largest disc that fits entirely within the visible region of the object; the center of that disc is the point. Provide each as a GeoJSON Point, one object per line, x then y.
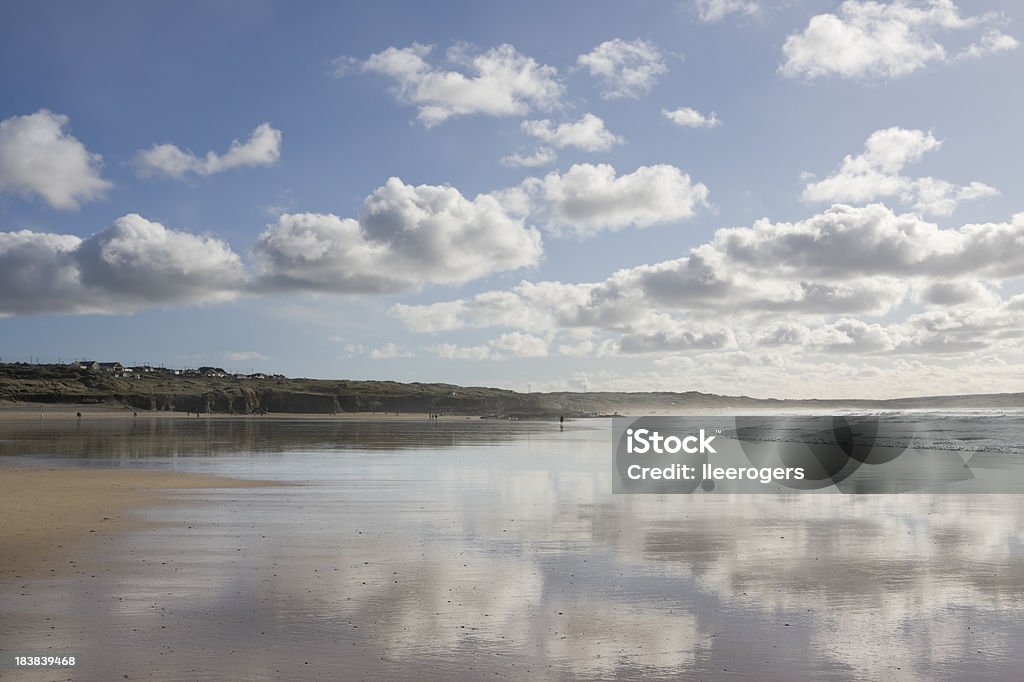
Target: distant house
{"type": "Point", "coordinates": [111, 367]}
{"type": "Point", "coordinates": [88, 365]}
{"type": "Point", "coordinates": [142, 369]}
{"type": "Point", "coordinates": [212, 372]}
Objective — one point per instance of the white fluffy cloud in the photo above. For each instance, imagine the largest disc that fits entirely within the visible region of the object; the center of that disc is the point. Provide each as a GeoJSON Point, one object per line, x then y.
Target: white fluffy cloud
{"type": "Point", "coordinates": [956, 330]}
{"type": "Point", "coordinates": [263, 148]}
{"type": "Point", "coordinates": [873, 39]}
{"type": "Point", "coordinates": [591, 198]}
{"type": "Point", "coordinates": [511, 345]}
{"type": "Point", "coordinates": [497, 82]}
{"type": "Point", "coordinates": [542, 156]}
{"type": "Point", "coordinates": [691, 118]}
{"type": "Point", "coordinates": [389, 351]}
{"type": "Point", "coordinates": [845, 243]}
{"type": "Point", "coordinates": [141, 259]}
{"type": "Point", "coordinates": [407, 236]}
{"type": "Point", "coordinates": [876, 174]}
{"type": "Point", "coordinates": [957, 292]}
{"type": "Point", "coordinates": [132, 264]}
{"type": "Point", "coordinates": [660, 333]}
{"type": "Point", "coordinates": [625, 68]}
{"type": "Point", "coordinates": [37, 157]}
{"type": "Point", "coordinates": [588, 133]}
{"type": "Point", "coordinates": [138, 258]}
{"type": "Point", "coordinates": [244, 356]}
{"type": "Point", "coordinates": [779, 285]}
{"type": "Point", "coordinates": [993, 41]}
{"type": "Point", "coordinates": [716, 10]}
{"type": "Point", "coordinates": [38, 273]}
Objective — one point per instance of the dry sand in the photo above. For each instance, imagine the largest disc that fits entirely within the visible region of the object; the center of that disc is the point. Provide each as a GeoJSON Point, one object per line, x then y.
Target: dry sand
{"type": "Point", "coordinates": [49, 514]}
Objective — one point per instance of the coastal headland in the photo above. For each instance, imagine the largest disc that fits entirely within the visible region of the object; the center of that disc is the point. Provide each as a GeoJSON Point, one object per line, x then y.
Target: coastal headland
{"type": "Point", "coordinates": [217, 392]}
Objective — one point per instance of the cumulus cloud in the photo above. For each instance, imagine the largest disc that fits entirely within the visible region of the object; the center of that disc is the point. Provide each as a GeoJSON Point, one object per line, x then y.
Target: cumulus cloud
{"type": "Point", "coordinates": [529, 305]}
{"type": "Point", "coordinates": [497, 82]}
{"type": "Point", "coordinates": [405, 237]}
{"type": "Point", "coordinates": [37, 157]}
{"type": "Point", "coordinates": [542, 156]}
{"type": "Point", "coordinates": [887, 40]}
{"type": "Point", "coordinates": [244, 356]}
{"type": "Point", "coordinates": [263, 148]}
{"type": "Point", "coordinates": [876, 174]}
{"type": "Point", "coordinates": [38, 273]}
{"type": "Point", "coordinates": [769, 280]}
{"type": "Point", "coordinates": [711, 11]}
{"type": "Point", "coordinates": [661, 333]}
{"type": "Point", "coordinates": [625, 68]}
{"type": "Point", "coordinates": [845, 243]}
{"type": "Point", "coordinates": [389, 351]}
{"type": "Point", "coordinates": [992, 42]}
{"type": "Point", "coordinates": [591, 198]}
{"type": "Point", "coordinates": [132, 264]}
{"type": "Point", "coordinates": [142, 259]}
{"type": "Point", "coordinates": [511, 345]}
{"type": "Point", "coordinates": [520, 345]}
{"type": "Point", "coordinates": [691, 118]}
{"type": "Point", "coordinates": [948, 293]}
{"type": "Point", "coordinates": [579, 349]}
{"type": "Point", "coordinates": [937, 332]}
{"type": "Point", "coordinates": [588, 133]}
{"type": "Point", "coordinates": [450, 351]}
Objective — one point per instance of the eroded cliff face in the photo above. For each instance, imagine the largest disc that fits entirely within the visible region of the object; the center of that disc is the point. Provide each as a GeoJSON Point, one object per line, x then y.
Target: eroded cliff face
{"type": "Point", "coordinates": [293, 401]}
{"type": "Point", "coordinates": [235, 400]}
{"type": "Point", "coordinates": [246, 400]}
{"type": "Point", "coordinates": [247, 395]}
{"type": "Point", "coordinates": [244, 395]}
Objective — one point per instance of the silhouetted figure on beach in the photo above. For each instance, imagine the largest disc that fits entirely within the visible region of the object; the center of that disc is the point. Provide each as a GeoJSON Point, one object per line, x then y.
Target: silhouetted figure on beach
{"type": "Point", "coordinates": [79, 414]}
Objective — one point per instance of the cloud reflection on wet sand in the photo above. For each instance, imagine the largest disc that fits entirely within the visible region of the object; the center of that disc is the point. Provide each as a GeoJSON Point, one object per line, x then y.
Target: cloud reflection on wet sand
{"type": "Point", "coordinates": [514, 558]}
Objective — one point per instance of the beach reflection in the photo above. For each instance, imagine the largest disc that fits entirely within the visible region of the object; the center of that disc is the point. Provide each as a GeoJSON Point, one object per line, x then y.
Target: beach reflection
{"type": "Point", "coordinates": [503, 552]}
{"type": "Point", "coordinates": [148, 436]}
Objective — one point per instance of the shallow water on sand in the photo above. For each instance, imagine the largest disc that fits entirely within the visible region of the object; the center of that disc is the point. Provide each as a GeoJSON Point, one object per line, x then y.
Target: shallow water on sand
{"type": "Point", "coordinates": [469, 549]}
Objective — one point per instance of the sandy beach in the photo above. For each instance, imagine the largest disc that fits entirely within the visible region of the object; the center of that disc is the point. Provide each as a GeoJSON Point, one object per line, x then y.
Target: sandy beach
{"type": "Point", "coordinates": [156, 548]}
{"type": "Point", "coordinates": [50, 516]}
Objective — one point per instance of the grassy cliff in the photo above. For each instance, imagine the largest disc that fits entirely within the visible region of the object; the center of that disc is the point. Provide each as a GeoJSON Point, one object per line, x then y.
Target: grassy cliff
{"type": "Point", "coordinates": [141, 391]}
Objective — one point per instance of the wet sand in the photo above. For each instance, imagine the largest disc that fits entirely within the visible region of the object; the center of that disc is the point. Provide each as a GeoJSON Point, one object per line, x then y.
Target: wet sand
{"type": "Point", "coordinates": [51, 516]}
{"type": "Point", "coordinates": [460, 552]}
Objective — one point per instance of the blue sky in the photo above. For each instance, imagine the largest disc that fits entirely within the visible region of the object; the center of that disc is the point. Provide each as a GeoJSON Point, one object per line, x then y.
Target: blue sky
{"type": "Point", "coordinates": [890, 273]}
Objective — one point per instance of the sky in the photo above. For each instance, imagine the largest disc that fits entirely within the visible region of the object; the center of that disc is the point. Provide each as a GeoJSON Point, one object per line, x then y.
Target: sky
{"type": "Point", "coordinates": [776, 199]}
